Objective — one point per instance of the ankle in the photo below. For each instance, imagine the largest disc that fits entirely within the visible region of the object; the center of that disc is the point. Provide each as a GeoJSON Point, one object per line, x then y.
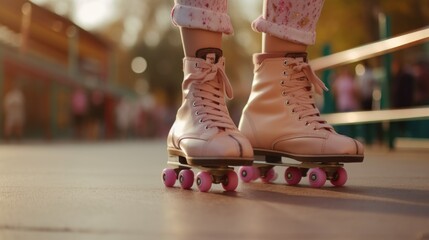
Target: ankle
{"type": "Point", "coordinates": [258, 58]}
{"type": "Point", "coordinates": [271, 44]}
{"type": "Point", "coordinates": [194, 39]}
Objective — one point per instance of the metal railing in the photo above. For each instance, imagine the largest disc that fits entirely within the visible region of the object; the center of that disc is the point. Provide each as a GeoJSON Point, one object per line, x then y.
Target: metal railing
{"type": "Point", "coordinates": [367, 51]}
{"type": "Point", "coordinates": [371, 50]}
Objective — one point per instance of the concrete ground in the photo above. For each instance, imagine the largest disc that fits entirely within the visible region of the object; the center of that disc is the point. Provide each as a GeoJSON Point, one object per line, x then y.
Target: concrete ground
{"type": "Point", "coordinates": [114, 191]}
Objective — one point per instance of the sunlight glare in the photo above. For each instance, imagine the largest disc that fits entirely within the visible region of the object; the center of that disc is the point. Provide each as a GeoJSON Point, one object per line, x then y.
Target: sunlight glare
{"type": "Point", "coordinates": [91, 14]}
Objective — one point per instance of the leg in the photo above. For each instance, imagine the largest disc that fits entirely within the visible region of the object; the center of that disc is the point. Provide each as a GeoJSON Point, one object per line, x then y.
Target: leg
{"type": "Point", "coordinates": [293, 21]}
{"type": "Point", "coordinates": [195, 39]}
{"type": "Point", "coordinates": [201, 23]}
{"type": "Point", "coordinates": [203, 132]}
{"type": "Point", "coordinates": [280, 33]}
{"type": "Point", "coordinates": [281, 116]}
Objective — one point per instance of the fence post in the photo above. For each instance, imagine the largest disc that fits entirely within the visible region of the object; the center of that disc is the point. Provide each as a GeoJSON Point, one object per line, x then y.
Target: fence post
{"type": "Point", "coordinates": [385, 31]}
{"type": "Point", "coordinates": [328, 98]}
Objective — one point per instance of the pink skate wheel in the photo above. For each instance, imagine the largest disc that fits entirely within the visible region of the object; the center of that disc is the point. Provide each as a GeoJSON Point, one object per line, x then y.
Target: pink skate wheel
{"type": "Point", "coordinates": [270, 176]}
{"type": "Point", "coordinates": [293, 176]}
{"type": "Point", "coordinates": [186, 178]}
{"type": "Point", "coordinates": [204, 181]}
{"type": "Point", "coordinates": [231, 182]}
{"type": "Point", "coordinates": [340, 177]}
{"type": "Point", "coordinates": [246, 173]}
{"type": "Point", "coordinates": [317, 177]}
{"type": "Point", "coordinates": [256, 173]}
{"type": "Point", "coordinates": [169, 177]}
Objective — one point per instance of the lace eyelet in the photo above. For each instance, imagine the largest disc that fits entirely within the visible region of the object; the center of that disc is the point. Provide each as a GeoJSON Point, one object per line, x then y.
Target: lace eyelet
{"type": "Point", "coordinates": [284, 93]}
{"type": "Point", "coordinates": [282, 82]}
{"type": "Point", "coordinates": [306, 124]}
{"type": "Point", "coordinates": [193, 104]}
{"type": "Point", "coordinates": [200, 121]}
{"type": "Point", "coordinates": [285, 62]}
{"type": "Point", "coordinates": [287, 102]}
{"type": "Point", "coordinates": [285, 73]}
{"type": "Point", "coordinates": [197, 113]}
{"type": "Point", "coordinates": [206, 127]}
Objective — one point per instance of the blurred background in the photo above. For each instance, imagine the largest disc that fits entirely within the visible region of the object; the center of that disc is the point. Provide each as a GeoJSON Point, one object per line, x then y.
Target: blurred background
{"type": "Point", "coordinates": [110, 69]}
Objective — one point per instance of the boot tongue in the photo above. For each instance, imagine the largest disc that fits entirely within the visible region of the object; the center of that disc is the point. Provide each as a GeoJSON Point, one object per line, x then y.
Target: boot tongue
{"type": "Point", "coordinates": [211, 55]}
{"type": "Point", "coordinates": [297, 55]}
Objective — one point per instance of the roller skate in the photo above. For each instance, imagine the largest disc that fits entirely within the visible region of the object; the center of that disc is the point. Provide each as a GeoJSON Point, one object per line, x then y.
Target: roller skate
{"type": "Point", "coordinates": [203, 135]}
{"type": "Point", "coordinates": [281, 120]}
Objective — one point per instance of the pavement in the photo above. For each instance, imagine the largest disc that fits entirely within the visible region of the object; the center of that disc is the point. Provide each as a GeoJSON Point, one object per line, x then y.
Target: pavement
{"type": "Point", "coordinates": [113, 190]}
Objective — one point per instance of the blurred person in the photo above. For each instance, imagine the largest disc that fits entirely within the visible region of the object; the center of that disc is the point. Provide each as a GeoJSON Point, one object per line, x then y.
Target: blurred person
{"type": "Point", "coordinates": [346, 92]}
{"type": "Point", "coordinates": [14, 110]}
{"type": "Point", "coordinates": [162, 117]}
{"type": "Point", "coordinates": [421, 73]}
{"type": "Point", "coordinates": [402, 94]}
{"type": "Point", "coordinates": [80, 108]}
{"type": "Point", "coordinates": [143, 121]}
{"type": "Point", "coordinates": [402, 86]}
{"type": "Point", "coordinates": [347, 97]}
{"type": "Point", "coordinates": [280, 116]}
{"type": "Point", "coordinates": [420, 128]}
{"type": "Point", "coordinates": [124, 117]}
{"type": "Point", "coordinates": [367, 84]}
{"type": "Point", "coordinates": [96, 113]}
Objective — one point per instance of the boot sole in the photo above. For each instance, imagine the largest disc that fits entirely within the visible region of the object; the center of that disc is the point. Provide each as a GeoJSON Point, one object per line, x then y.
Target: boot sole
{"type": "Point", "coordinates": [275, 156]}
{"type": "Point", "coordinates": [209, 161]}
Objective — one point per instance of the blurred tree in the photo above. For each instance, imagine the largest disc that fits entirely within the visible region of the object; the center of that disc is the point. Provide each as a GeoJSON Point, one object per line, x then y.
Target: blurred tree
{"type": "Point", "coordinates": [164, 64]}
{"type": "Point", "coordinates": [143, 28]}
{"type": "Point", "coordinates": [347, 24]}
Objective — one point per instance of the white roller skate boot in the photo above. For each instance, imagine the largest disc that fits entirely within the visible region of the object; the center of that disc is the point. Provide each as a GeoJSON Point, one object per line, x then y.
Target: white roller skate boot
{"type": "Point", "coordinates": [203, 133]}
{"type": "Point", "coordinates": [281, 119]}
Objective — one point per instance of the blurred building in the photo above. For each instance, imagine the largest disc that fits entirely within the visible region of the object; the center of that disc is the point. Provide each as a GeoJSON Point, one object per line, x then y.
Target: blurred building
{"type": "Point", "coordinates": [49, 57]}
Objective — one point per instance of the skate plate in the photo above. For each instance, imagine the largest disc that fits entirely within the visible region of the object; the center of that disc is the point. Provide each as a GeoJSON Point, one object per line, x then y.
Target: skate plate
{"type": "Point", "coordinates": [182, 171]}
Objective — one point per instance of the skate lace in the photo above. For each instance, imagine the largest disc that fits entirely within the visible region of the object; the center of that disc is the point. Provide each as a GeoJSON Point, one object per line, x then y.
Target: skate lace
{"type": "Point", "coordinates": [297, 88]}
{"type": "Point", "coordinates": [211, 86]}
